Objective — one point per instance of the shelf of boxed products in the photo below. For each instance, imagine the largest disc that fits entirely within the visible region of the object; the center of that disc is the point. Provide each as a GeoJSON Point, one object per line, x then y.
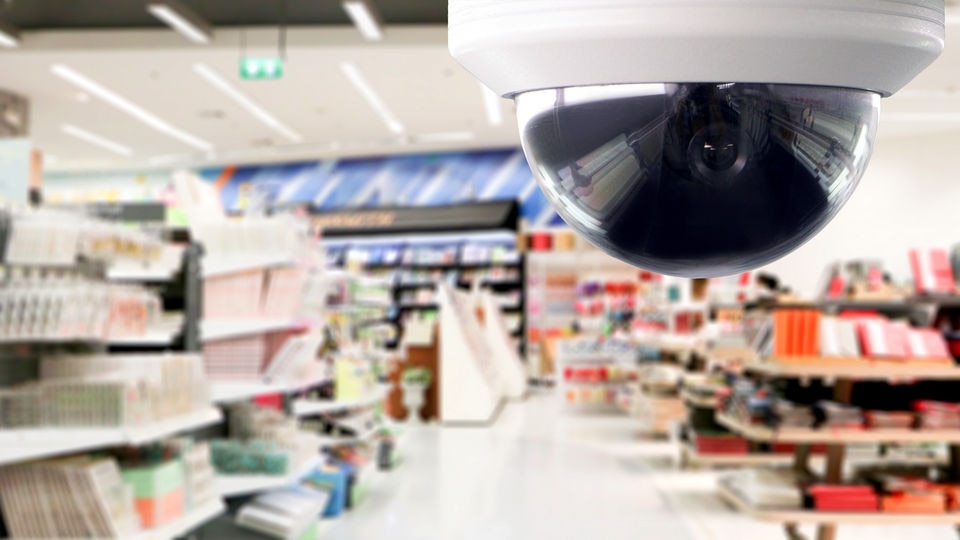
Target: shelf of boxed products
{"type": "Point", "coordinates": [234, 485]}
{"type": "Point", "coordinates": [24, 444]}
{"type": "Point", "coordinates": [212, 330]}
{"type": "Point", "coordinates": [306, 407]}
{"type": "Point", "coordinates": [836, 435]}
{"type": "Point", "coordinates": [191, 520]}
{"type": "Point", "coordinates": [731, 495]}
{"type": "Point", "coordinates": [857, 368]}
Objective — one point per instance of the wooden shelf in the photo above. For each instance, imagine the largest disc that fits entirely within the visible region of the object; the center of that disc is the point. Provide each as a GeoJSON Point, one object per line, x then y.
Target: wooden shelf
{"type": "Point", "coordinates": [692, 399]}
{"type": "Point", "coordinates": [692, 457]}
{"type": "Point", "coordinates": [836, 436]}
{"type": "Point", "coordinates": [800, 515]}
{"type": "Point", "coordinates": [857, 368]}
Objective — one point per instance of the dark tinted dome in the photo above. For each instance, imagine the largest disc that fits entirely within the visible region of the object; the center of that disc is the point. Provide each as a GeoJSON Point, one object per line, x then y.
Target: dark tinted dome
{"type": "Point", "coordinates": [698, 180]}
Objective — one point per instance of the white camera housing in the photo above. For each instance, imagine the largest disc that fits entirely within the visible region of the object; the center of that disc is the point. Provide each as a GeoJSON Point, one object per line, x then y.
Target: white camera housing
{"type": "Point", "coordinates": [695, 137]}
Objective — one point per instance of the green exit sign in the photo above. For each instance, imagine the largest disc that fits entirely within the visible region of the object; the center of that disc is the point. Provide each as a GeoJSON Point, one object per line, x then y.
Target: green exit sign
{"type": "Point", "coordinates": [263, 68]}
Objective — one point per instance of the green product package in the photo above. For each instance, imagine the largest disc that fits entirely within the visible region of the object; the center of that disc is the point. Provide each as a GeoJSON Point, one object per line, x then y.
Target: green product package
{"type": "Point", "coordinates": [155, 480]}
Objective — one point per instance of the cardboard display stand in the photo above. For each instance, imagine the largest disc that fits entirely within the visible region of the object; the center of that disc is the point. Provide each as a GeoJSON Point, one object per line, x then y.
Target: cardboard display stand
{"type": "Point", "coordinates": [509, 365]}
{"type": "Point", "coordinates": [470, 389]}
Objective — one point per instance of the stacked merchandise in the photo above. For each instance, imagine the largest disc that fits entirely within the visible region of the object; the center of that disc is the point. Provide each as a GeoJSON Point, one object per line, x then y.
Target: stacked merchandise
{"type": "Point", "coordinates": [483, 253]}
{"type": "Point", "coordinates": [289, 513]}
{"type": "Point", "coordinates": [889, 419]}
{"type": "Point", "coordinates": [842, 498]}
{"type": "Point", "coordinates": [719, 443]}
{"type": "Point", "coordinates": [586, 366]}
{"type": "Point", "coordinates": [766, 488]}
{"type": "Point", "coordinates": [796, 332]}
{"type": "Point", "coordinates": [107, 390]}
{"type": "Point", "coordinates": [932, 272]}
{"type": "Point", "coordinates": [106, 497]}
{"type": "Point", "coordinates": [791, 415]}
{"type": "Point", "coordinates": [833, 415]}
{"type": "Point", "coordinates": [937, 415]}
{"type": "Point", "coordinates": [262, 441]}
{"type": "Point", "coordinates": [271, 295]}
{"type": "Point", "coordinates": [52, 239]}
{"type": "Point", "coordinates": [252, 274]}
{"type": "Point", "coordinates": [168, 480]}
{"type": "Point", "coordinates": [913, 493]}
{"type": "Point", "coordinates": [71, 308]}
{"type": "Point", "coordinates": [77, 497]}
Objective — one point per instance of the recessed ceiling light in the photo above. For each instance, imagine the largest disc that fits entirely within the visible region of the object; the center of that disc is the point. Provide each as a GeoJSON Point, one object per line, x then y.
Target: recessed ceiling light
{"type": "Point", "coordinates": [372, 98]}
{"type": "Point", "coordinates": [182, 19]}
{"type": "Point", "coordinates": [96, 140]}
{"type": "Point", "coordinates": [365, 17]}
{"type": "Point", "coordinates": [491, 105]}
{"type": "Point", "coordinates": [246, 102]}
{"type": "Point", "coordinates": [94, 88]}
{"type": "Point", "coordinates": [9, 35]}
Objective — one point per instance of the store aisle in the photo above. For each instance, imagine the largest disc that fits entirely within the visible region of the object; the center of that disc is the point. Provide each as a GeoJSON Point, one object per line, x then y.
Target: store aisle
{"type": "Point", "coordinates": [535, 474]}
{"type": "Point", "coordinates": [539, 474]}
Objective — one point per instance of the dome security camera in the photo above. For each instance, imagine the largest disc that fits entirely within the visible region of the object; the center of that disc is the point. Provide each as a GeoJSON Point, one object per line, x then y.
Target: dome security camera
{"type": "Point", "coordinates": [697, 138]}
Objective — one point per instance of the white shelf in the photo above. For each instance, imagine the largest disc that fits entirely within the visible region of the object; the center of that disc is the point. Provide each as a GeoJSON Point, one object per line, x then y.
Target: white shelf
{"type": "Point", "coordinates": [31, 443]}
{"type": "Point", "coordinates": [304, 407]}
{"type": "Point", "coordinates": [213, 267]}
{"type": "Point", "coordinates": [212, 330]}
{"type": "Point", "coordinates": [188, 522]}
{"type": "Point", "coordinates": [837, 436]}
{"type": "Point", "coordinates": [172, 426]}
{"type": "Point", "coordinates": [329, 441]}
{"type": "Point", "coordinates": [800, 515]}
{"type": "Point", "coordinates": [857, 368]}
{"type": "Point", "coordinates": [229, 392]}
{"type": "Point", "coordinates": [140, 273]}
{"type": "Point", "coordinates": [157, 336]}
{"type": "Point", "coordinates": [243, 484]}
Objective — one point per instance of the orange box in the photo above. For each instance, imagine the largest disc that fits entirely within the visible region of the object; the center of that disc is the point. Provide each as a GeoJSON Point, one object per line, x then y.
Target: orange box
{"type": "Point", "coordinates": [158, 511]}
{"type": "Point", "coordinates": [914, 503]}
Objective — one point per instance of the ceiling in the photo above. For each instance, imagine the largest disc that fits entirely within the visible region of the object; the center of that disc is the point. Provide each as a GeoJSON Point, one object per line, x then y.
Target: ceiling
{"type": "Point", "coordinates": [103, 14]}
{"type": "Point", "coordinates": [439, 104]}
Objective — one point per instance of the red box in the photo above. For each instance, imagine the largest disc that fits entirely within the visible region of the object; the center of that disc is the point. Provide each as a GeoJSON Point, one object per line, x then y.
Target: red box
{"type": "Point", "coordinates": [932, 272]}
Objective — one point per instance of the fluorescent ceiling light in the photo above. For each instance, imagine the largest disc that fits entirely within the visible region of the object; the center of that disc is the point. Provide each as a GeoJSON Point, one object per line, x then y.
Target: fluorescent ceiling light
{"type": "Point", "coordinates": [446, 136]}
{"type": "Point", "coordinates": [365, 17]}
{"type": "Point", "coordinates": [491, 104]}
{"type": "Point", "coordinates": [96, 140]}
{"type": "Point", "coordinates": [94, 88]}
{"type": "Point", "coordinates": [182, 19]}
{"type": "Point", "coordinates": [373, 99]}
{"type": "Point", "coordinates": [244, 101]}
{"type": "Point", "coordinates": [9, 36]}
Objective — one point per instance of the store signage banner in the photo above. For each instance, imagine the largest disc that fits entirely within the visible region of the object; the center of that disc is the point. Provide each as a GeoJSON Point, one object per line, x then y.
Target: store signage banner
{"type": "Point", "coordinates": [393, 181]}
{"type": "Point", "coordinates": [400, 220]}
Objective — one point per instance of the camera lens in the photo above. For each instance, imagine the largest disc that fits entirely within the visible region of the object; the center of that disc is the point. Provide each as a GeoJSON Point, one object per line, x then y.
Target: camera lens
{"type": "Point", "coordinates": [698, 179]}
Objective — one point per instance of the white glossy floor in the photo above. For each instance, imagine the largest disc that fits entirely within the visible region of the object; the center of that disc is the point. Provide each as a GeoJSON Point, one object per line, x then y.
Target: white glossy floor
{"type": "Point", "coordinates": [539, 474]}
